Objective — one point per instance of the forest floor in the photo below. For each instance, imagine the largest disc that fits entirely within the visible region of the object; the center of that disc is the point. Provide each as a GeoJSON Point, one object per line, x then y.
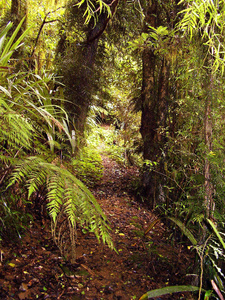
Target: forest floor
{"type": "Point", "coordinates": [34, 269]}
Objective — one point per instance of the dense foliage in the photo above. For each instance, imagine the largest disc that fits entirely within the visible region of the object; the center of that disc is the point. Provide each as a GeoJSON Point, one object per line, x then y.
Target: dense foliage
{"type": "Point", "coordinates": [150, 67]}
{"type": "Point", "coordinates": [35, 148]}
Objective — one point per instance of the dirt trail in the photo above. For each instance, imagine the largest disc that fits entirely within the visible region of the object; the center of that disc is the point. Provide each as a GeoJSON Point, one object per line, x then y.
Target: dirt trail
{"type": "Point", "coordinates": [34, 269]}
{"type": "Point", "coordinates": [143, 262]}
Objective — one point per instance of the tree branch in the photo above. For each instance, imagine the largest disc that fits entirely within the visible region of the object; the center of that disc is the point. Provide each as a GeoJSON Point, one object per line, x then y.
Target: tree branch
{"type": "Point", "coordinates": [102, 24]}
{"type": "Point", "coordinates": [42, 25]}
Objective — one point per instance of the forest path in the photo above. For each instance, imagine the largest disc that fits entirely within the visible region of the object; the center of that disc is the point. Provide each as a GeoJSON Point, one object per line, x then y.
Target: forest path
{"type": "Point", "coordinates": [34, 269]}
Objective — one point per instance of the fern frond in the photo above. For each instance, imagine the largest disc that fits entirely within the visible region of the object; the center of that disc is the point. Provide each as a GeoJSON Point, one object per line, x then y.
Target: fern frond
{"type": "Point", "coordinates": [68, 199]}
{"type": "Point", "coordinates": [38, 179]}
{"type": "Point", "coordinates": [16, 129]}
{"type": "Point", "coordinates": [7, 159]}
{"type": "Point", "coordinates": [55, 195]}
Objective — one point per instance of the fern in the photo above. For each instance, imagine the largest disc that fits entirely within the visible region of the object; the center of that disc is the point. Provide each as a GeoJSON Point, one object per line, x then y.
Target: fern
{"type": "Point", "coordinates": [67, 198]}
{"type": "Point", "coordinates": [15, 129]}
{"type": "Point", "coordinates": [27, 116]}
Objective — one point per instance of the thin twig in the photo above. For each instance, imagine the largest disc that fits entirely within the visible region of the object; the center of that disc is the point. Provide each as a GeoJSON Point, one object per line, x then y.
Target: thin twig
{"type": "Point", "coordinates": [160, 173]}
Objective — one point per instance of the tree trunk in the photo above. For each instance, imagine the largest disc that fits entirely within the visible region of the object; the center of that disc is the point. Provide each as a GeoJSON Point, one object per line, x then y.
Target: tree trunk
{"type": "Point", "coordinates": [18, 11]}
{"type": "Point", "coordinates": [154, 113]}
{"type": "Point", "coordinates": [78, 68]}
{"type": "Point", "coordinates": [209, 202]}
{"type": "Point", "coordinates": [14, 8]}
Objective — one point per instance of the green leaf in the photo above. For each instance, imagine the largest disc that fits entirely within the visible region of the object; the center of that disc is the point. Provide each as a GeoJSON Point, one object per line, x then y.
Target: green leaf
{"type": "Point", "coordinates": [208, 294]}
{"type": "Point", "coordinates": [4, 90]}
{"type": "Point", "coordinates": [217, 233]}
{"type": "Point", "coordinates": [185, 231]}
{"type": "Point", "coordinates": [169, 290]}
{"type": "Point", "coordinates": [145, 35]}
{"type": "Point", "coordinates": [11, 265]}
{"type": "Point", "coordinates": [11, 45]}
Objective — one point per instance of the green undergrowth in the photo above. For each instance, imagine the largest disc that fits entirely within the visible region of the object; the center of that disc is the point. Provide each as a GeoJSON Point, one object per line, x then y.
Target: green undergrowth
{"type": "Point", "coordinates": [88, 166]}
{"type": "Point", "coordinates": [110, 142]}
{"type": "Point", "coordinates": [14, 218]}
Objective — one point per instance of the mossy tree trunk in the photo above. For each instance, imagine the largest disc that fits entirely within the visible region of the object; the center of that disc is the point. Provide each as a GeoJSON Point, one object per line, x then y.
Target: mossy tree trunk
{"type": "Point", "coordinates": [208, 135]}
{"type": "Point", "coordinates": [18, 11]}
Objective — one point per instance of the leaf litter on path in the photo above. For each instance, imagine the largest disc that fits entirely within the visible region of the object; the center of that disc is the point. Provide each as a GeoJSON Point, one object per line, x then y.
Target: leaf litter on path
{"type": "Point", "coordinates": [145, 258]}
